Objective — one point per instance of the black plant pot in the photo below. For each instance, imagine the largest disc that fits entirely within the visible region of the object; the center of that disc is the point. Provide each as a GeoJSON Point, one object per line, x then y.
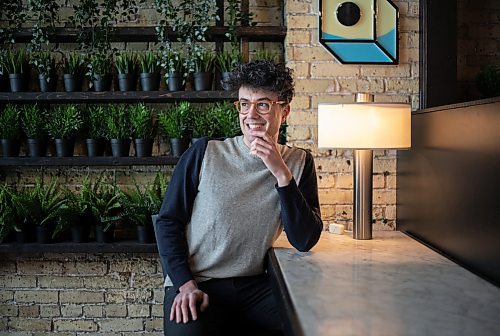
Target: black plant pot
{"type": "Point", "coordinates": [178, 146]}
{"type": "Point", "coordinates": [143, 234]}
{"type": "Point", "coordinates": [143, 147]}
{"type": "Point", "coordinates": [150, 81]}
{"type": "Point", "coordinates": [42, 235]}
{"type": "Point", "coordinates": [4, 83]}
{"type": "Point", "coordinates": [175, 82]}
{"type": "Point", "coordinates": [126, 82]}
{"type": "Point", "coordinates": [80, 232]}
{"type": "Point", "coordinates": [64, 147]}
{"type": "Point", "coordinates": [37, 147]}
{"type": "Point", "coordinates": [18, 83]}
{"type": "Point", "coordinates": [72, 83]}
{"type": "Point", "coordinates": [224, 78]}
{"type": "Point", "coordinates": [203, 81]}
{"type": "Point", "coordinates": [102, 236]}
{"type": "Point", "coordinates": [47, 86]}
{"type": "Point", "coordinates": [120, 147]}
{"type": "Point", "coordinates": [10, 147]}
{"type": "Point", "coordinates": [101, 83]}
{"type": "Point", "coordinates": [21, 237]}
{"type": "Point", "coordinates": [95, 147]}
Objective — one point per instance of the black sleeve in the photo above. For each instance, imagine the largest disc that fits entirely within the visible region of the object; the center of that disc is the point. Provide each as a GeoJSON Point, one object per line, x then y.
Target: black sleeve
{"type": "Point", "coordinates": [300, 210]}
{"type": "Point", "coordinates": [175, 213]}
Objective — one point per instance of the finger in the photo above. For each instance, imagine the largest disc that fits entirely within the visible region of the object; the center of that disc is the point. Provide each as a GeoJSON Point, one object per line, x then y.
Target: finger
{"type": "Point", "coordinates": [204, 303]}
{"type": "Point", "coordinates": [192, 309]}
{"type": "Point", "coordinates": [178, 313]}
{"type": "Point", "coordinates": [185, 313]}
{"type": "Point", "coordinates": [172, 312]}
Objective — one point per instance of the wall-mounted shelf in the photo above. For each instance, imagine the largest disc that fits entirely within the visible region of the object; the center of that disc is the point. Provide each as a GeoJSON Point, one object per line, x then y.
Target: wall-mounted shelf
{"type": "Point", "coordinates": [148, 34]}
{"type": "Point", "coordinates": [69, 247]}
{"type": "Point", "coordinates": [88, 161]}
{"type": "Point", "coordinates": [117, 96]}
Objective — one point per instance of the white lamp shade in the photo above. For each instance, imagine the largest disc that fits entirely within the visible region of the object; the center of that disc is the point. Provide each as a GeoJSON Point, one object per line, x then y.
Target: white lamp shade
{"type": "Point", "coordinates": [364, 126]}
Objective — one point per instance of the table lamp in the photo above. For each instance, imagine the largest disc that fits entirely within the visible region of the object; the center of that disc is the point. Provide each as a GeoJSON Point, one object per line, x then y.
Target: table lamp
{"type": "Point", "coordinates": [363, 126]}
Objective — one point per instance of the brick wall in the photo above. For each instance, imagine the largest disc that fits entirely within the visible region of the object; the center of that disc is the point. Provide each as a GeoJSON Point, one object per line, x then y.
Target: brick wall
{"type": "Point", "coordinates": [81, 294]}
{"type": "Point", "coordinates": [320, 78]}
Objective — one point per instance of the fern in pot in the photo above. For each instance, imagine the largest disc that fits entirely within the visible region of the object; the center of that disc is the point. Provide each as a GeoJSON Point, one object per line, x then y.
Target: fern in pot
{"type": "Point", "coordinates": [126, 65]}
{"type": "Point", "coordinates": [118, 129]}
{"type": "Point", "coordinates": [63, 124]}
{"type": "Point", "coordinates": [33, 124]}
{"type": "Point", "coordinates": [99, 71]}
{"type": "Point", "coordinates": [203, 122]}
{"type": "Point", "coordinates": [16, 63]}
{"type": "Point", "coordinates": [149, 71]}
{"type": "Point", "coordinates": [227, 120]}
{"type": "Point", "coordinates": [73, 69]}
{"type": "Point", "coordinates": [141, 120]}
{"type": "Point", "coordinates": [226, 61]}
{"type": "Point", "coordinates": [10, 130]}
{"type": "Point", "coordinates": [175, 124]}
{"type": "Point", "coordinates": [45, 64]}
{"type": "Point", "coordinates": [203, 75]}
{"type": "Point", "coordinates": [95, 129]}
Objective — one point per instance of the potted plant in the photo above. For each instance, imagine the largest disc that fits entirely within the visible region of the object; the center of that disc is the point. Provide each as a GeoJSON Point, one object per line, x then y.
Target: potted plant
{"type": "Point", "coordinates": [16, 64]}
{"type": "Point", "coordinates": [10, 130]}
{"type": "Point", "coordinates": [95, 129]}
{"type": "Point", "coordinates": [141, 120]}
{"type": "Point", "coordinates": [43, 204]}
{"type": "Point", "coordinates": [226, 119]}
{"type": "Point", "coordinates": [103, 202]}
{"type": "Point", "coordinates": [126, 65]}
{"type": "Point", "coordinates": [141, 205]}
{"type": "Point", "coordinates": [118, 129]}
{"type": "Point", "coordinates": [174, 123]}
{"type": "Point", "coordinates": [149, 71]}
{"type": "Point", "coordinates": [74, 68]}
{"type": "Point", "coordinates": [266, 55]}
{"type": "Point", "coordinates": [45, 64]}
{"type": "Point", "coordinates": [33, 124]}
{"type": "Point", "coordinates": [226, 61]}
{"type": "Point", "coordinates": [63, 123]}
{"type": "Point", "coordinates": [204, 71]}
{"type": "Point", "coordinates": [3, 72]}
{"type": "Point", "coordinates": [7, 212]}
{"type": "Point", "coordinates": [98, 71]}
{"type": "Point", "coordinates": [175, 71]}
{"type": "Point", "coordinates": [203, 122]}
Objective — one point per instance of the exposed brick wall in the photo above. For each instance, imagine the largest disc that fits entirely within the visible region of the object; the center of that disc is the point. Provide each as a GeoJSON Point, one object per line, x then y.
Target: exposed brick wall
{"type": "Point", "coordinates": [321, 78]}
{"type": "Point", "coordinates": [80, 294]}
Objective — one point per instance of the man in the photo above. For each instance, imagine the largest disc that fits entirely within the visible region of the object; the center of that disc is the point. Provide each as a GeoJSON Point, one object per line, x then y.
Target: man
{"type": "Point", "coordinates": [227, 202]}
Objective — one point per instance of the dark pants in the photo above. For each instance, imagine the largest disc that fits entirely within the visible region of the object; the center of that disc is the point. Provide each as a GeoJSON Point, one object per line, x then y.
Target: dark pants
{"type": "Point", "coordinates": [237, 306]}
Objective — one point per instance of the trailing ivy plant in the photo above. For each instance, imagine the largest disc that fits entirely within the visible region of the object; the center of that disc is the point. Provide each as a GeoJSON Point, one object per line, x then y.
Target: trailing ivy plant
{"type": "Point", "coordinates": [14, 13]}
{"type": "Point", "coordinates": [95, 21]}
{"type": "Point", "coordinates": [45, 14]}
{"type": "Point", "coordinates": [45, 64]}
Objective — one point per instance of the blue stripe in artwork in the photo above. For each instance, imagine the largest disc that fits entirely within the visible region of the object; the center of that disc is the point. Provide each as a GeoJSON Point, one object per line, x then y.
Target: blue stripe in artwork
{"type": "Point", "coordinates": [388, 41]}
{"type": "Point", "coordinates": [327, 36]}
{"type": "Point", "coordinates": [359, 52]}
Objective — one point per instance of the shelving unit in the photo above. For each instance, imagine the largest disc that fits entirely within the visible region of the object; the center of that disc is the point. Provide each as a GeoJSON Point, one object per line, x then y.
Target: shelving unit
{"type": "Point", "coordinates": [69, 247]}
{"type": "Point", "coordinates": [88, 161]}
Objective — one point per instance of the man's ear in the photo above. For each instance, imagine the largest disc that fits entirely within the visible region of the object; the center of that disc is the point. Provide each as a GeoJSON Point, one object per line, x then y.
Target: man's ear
{"type": "Point", "coordinates": [285, 112]}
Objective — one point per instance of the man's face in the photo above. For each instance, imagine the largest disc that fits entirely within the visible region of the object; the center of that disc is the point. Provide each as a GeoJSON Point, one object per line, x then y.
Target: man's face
{"type": "Point", "coordinates": [255, 100]}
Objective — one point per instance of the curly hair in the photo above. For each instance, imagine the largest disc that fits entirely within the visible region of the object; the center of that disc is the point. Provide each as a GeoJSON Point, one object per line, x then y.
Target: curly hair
{"type": "Point", "coordinates": [264, 75]}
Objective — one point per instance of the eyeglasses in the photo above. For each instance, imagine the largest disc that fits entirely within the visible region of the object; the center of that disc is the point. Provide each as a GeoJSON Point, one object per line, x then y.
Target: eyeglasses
{"type": "Point", "coordinates": [261, 106]}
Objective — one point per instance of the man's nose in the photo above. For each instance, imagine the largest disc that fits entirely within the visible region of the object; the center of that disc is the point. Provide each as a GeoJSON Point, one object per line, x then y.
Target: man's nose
{"type": "Point", "coordinates": [252, 111]}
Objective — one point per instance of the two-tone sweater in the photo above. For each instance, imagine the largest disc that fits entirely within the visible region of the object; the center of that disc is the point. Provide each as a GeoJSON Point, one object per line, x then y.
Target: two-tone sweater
{"type": "Point", "coordinates": [223, 210]}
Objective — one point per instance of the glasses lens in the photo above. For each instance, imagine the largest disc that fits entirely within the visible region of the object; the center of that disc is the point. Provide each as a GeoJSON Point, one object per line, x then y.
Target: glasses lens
{"type": "Point", "coordinates": [263, 107]}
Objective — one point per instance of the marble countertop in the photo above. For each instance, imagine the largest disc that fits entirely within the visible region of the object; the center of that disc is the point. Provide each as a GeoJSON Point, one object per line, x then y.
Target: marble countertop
{"type": "Point", "coordinates": [390, 285]}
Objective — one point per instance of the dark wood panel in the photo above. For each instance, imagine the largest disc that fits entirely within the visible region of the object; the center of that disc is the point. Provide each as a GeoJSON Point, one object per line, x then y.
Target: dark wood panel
{"type": "Point", "coordinates": [449, 187]}
{"type": "Point", "coordinates": [69, 247]}
{"type": "Point", "coordinates": [117, 96]}
{"type": "Point", "coordinates": [88, 161]}
{"type": "Point", "coordinates": [148, 34]}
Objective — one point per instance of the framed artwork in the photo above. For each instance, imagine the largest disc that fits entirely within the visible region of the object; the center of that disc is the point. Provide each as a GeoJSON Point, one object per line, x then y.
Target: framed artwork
{"type": "Point", "coordinates": [360, 31]}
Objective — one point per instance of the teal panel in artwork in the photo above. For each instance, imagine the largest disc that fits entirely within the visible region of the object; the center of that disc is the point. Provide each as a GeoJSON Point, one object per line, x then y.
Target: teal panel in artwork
{"type": "Point", "coordinates": [354, 52]}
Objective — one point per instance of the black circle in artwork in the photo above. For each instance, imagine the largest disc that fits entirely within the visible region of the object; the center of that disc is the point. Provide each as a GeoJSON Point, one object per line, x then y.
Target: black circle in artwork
{"type": "Point", "coordinates": [348, 13]}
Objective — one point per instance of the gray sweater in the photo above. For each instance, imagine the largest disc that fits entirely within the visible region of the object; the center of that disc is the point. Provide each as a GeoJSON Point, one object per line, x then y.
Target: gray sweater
{"type": "Point", "coordinates": [236, 212]}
